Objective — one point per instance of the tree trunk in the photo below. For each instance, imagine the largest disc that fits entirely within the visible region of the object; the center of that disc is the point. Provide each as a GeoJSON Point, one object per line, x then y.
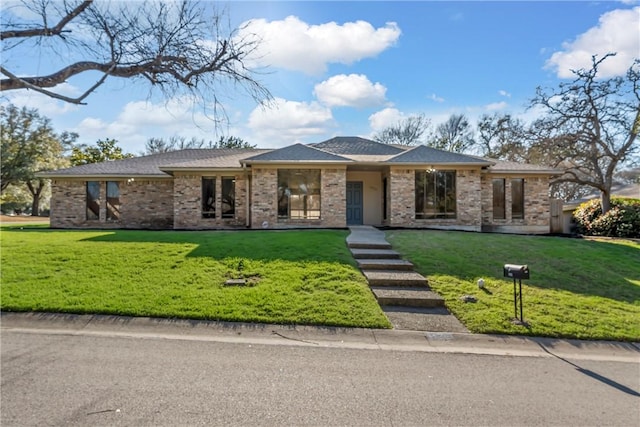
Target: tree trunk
{"type": "Point", "coordinates": [35, 193]}
{"type": "Point", "coordinates": [605, 201]}
{"type": "Point", "coordinates": [35, 205]}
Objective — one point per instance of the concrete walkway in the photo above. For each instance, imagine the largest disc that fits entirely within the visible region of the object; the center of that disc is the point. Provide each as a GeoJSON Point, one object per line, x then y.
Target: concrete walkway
{"type": "Point", "coordinates": [403, 294]}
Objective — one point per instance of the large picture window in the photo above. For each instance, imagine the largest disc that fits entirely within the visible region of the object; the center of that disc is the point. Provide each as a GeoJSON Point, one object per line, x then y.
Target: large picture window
{"type": "Point", "coordinates": [228, 197]}
{"type": "Point", "coordinates": [113, 201]}
{"type": "Point", "coordinates": [298, 194]}
{"type": "Point", "coordinates": [208, 197]}
{"type": "Point", "coordinates": [93, 200]}
{"type": "Point", "coordinates": [499, 203]}
{"type": "Point", "coordinates": [517, 198]}
{"type": "Point", "coordinates": [435, 194]}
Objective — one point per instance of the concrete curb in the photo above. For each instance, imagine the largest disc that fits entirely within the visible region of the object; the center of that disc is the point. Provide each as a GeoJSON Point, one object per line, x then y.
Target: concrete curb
{"type": "Point", "coordinates": [329, 337]}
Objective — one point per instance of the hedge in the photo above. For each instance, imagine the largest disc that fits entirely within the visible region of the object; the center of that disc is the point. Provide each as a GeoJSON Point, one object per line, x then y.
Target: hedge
{"type": "Point", "coordinates": [622, 220]}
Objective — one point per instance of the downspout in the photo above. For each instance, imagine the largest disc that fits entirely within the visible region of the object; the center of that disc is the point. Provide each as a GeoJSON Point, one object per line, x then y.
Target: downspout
{"type": "Point", "coordinates": [248, 190]}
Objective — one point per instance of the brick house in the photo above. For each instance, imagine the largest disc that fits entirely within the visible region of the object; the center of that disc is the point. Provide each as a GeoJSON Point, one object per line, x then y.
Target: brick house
{"type": "Point", "coordinates": [339, 182]}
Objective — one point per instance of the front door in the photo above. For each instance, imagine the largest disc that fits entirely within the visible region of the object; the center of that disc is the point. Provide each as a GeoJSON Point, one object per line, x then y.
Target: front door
{"type": "Point", "coordinates": [354, 202]}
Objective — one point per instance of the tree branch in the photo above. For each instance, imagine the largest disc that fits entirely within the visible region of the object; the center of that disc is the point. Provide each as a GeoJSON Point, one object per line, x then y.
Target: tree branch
{"type": "Point", "coordinates": [154, 66]}
{"type": "Point", "coordinates": [47, 32]}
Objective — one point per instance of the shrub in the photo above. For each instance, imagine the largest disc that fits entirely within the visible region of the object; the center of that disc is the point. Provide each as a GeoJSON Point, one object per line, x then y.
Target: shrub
{"type": "Point", "coordinates": [622, 220]}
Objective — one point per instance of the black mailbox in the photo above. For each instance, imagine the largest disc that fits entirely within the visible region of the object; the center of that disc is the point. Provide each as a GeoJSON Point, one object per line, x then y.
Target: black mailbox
{"type": "Point", "coordinates": [516, 271]}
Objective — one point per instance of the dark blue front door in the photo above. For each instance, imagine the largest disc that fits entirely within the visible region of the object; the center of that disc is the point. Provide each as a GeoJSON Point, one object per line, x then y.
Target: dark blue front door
{"type": "Point", "coordinates": [354, 203]}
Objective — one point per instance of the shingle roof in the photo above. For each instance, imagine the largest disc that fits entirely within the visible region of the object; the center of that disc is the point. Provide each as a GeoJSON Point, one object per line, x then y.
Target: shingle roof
{"type": "Point", "coordinates": [506, 167]}
{"type": "Point", "coordinates": [356, 145]}
{"type": "Point", "coordinates": [223, 161]}
{"type": "Point", "coordinates": [297, 153]}
{"type": "Point", "coordinates": [149, 165]}
{"type": "Point", "coordinates": [424, 154]}
{"type": "Point", "coordinates": [353, 149]}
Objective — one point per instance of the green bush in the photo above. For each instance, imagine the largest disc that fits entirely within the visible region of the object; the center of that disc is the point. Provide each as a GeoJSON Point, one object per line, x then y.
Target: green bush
{"type": "Point", "coordinates": [622, 220]}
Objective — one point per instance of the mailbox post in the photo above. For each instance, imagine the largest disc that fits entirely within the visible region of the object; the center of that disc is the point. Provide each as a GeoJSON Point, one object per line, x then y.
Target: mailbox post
{"type": "Point", "coordinates": [518, 272]}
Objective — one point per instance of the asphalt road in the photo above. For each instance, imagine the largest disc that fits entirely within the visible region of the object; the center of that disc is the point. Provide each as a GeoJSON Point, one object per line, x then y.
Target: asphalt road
{"type": "Point", "coordinates": [75, 379]}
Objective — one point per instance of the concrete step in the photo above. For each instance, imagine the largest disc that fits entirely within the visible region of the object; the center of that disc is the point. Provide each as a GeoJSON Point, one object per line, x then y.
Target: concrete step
{"type": "Point", "coordinates": [384, 264]}
{"type": "Point", "coordinates": [364, 244]}
{"type": "Point", "coordinates": [407, 297]}
{"type": "Point", "coordinates": [436, 319]}
{"type": "Point", "coordinates": [374, 254]}
{"type": "Point", "coordinates": [394, 278]}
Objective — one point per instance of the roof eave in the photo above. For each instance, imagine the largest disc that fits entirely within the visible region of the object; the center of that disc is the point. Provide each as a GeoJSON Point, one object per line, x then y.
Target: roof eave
{"type": "Point", "coordinates": [524, 171]}
{"type": "Point", "coordinates": [427, 164]}
{"type": "Point", "coordinates": [293, 162]}
{"type": "Point", "coordinates": [169, 170]}
{"type": "Point", "coordinates": [101, 176]}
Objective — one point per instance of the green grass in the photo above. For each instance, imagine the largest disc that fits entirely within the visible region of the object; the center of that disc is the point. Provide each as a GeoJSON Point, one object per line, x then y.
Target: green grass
{"type": "Point", "coordinates": [293, 277]}
{"type": "Point", "coordinates": [583, 289]}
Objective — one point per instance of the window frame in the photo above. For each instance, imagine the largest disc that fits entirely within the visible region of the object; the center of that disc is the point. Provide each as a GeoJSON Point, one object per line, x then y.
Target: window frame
{"type": "Point", "coordinates": [517, 198]}
{"type": "Point", "coordinates": [230, 213]}
{"type": "Point", "coordinates": [91, 214]}
{"type": "Point", "coordinates": [499, 198]}
{"type": "Point", "coordinates": [290, 194]}
{"type": "Point", "coordinates": [112, 209]}
{"type": "Point", "coordinates": [208, 199]}
{"type": "Point", "coordinates": [435, 191]}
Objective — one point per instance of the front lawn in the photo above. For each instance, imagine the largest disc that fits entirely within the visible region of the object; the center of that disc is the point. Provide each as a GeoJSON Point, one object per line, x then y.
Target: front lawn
{"type": "Point", "coordinates": [588, 289]}
{"type": "Point", "coordinates": [292, 277]}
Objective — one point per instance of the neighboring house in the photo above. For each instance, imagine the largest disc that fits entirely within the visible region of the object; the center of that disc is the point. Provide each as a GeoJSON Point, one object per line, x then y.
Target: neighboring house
{"type": "Point", "coordinates": [630, 191]}
{"type": "Point", "coordinates": [336, 183]}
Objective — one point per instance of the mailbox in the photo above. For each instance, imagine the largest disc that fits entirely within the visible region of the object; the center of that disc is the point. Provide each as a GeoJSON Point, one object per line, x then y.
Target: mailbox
{"type": "Point", "coordinates": [516, 271]}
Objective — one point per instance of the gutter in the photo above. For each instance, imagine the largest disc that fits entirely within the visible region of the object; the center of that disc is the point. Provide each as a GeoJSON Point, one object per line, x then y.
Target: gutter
{"type": "Point", "coordinates": [248, 201]}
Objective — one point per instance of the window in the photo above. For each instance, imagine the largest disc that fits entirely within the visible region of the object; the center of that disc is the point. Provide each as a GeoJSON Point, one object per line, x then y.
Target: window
{"type": "Point", "coordinates": [499, 204]}
{"type": "Point", "coordinates": [298, 194]}
{"type": "Point", "coordinates": [93, 200]}
{"type": "Point", "coordinates": [228, 197]}
{"type": "Point", "coordinates": [517, 198]}
{"type": "Point", "coordinates": [208, 197]}
{"type": "Point", "coordinates": [113, 201]}
{"type": "Point", "coordinates": [435, 194]}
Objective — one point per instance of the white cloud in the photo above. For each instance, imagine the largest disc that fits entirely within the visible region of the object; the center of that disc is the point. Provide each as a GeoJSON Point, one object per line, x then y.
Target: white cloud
{"type": "Point", "coordinates": [287, 122]}
{"type": "Point", "coordinates": [354, 90]}
{"type": "Point", "coordinates": [617, 31]}
{"type": "Point", "coordinates": [295, 45]}
{"type": "Point", "coordinates": [436, 98]}
{"type": "Point", "coordinates": [496, 106]}
{"type": "Point", "coordinates": [385, 118]}
{"type": "Point", "coordinates": [46, 106]}
{"type": "Point", "coordinates": [504, 93]}
{"type": "Point", "coordinates": [140, 120]}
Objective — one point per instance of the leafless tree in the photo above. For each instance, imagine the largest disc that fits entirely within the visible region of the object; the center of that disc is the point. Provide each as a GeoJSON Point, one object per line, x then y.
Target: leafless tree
{"type": "Point", "coordinates": [502, 136]}
{"type": "Point", "coordinates": [590, 126]}
{"type": "Point", "coordinates": [456, 134]}
{"type": "Point", "coordinates": [409, 131]}
{"type": "Point", "coordinates": [178, 47]}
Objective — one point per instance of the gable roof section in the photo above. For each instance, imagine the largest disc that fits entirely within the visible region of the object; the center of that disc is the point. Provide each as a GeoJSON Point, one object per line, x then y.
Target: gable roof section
{"type": "Point", "coordinates": [422, 154]}
{"type": "Point", "coordinates": [148, 166]}
{"type": "Point", "coordinates": [297, 153]}
{"type": "Point", "coordinates": [357, 146]}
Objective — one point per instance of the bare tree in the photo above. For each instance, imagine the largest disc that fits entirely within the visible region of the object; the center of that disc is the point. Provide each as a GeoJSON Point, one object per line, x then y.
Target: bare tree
{"type": "Point", "coordinates": [174, 143]}
{"type": "Point", "coordinates": [160, 145]}
{"type": "Point", "coordinates": [456, 134]}
{"type": "Point", "coordinates": [409, 131]}
{"type": "Point", "coordinates": [177, 47]}
{"type": "Point", "coordinates": [590, 126]}
{"type": "Point", "coordinates": [503, 137]}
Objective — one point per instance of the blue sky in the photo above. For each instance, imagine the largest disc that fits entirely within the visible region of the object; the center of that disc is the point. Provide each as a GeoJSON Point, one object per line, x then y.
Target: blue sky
{"type": "Point", "coordinates": [352, 68]}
